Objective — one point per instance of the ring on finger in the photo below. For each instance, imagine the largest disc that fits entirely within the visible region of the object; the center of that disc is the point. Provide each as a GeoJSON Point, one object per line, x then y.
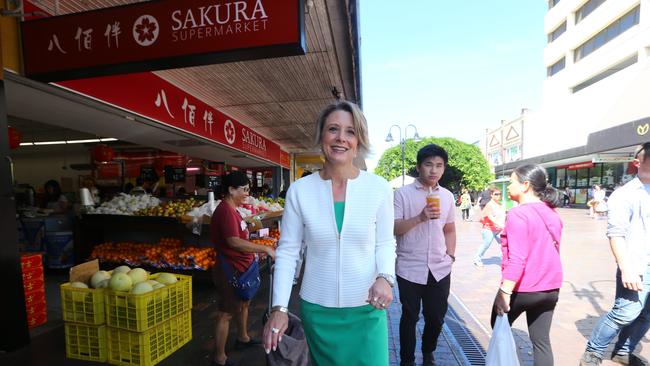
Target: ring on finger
{"type": "Point", "coordinates": [275, 330]}
{"type": "Point", "coordinates": [382, 305]}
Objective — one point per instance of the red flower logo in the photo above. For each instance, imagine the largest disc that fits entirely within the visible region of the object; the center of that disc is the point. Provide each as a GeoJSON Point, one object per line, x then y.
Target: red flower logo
{"type": "Point", "coordinates": [146, 30]}
{"type": "Point", "coordinates": [229, 131]}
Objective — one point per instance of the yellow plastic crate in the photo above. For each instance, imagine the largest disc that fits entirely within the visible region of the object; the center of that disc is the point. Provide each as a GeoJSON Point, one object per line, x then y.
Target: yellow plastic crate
{"type": "Point", "coordinates": [149, 347]}
{"type": "Point", "coordinates": [86, 342]}
{"type": "Point", "coordinates": [82, 305]}
{"type": "Point", "coordinates": [141, 312]}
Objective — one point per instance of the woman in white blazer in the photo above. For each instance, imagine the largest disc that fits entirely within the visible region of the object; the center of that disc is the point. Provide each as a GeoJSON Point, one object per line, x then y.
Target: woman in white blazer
{"type": "Point", "coordinates": [345, 218]}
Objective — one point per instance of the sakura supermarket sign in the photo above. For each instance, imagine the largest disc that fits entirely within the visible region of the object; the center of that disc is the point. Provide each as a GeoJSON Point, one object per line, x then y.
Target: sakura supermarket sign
{"type": "Point", "coordinates": [150, 96]}
{"type": "Point", "coordinates": [161, 34]}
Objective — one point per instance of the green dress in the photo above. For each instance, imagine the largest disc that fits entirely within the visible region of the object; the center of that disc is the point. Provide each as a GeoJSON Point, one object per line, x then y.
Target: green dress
{"type": "Point", "coordinates": [356, 336]}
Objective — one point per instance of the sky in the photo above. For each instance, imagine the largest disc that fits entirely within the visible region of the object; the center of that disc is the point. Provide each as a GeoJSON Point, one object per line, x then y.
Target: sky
{"type": "Point", "coordinates": [450, 68]}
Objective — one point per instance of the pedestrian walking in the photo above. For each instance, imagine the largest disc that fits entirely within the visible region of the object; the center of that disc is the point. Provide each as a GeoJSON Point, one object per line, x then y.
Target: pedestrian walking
{"type": "Point", "coordinates": [531, 270]}
{"type": "Point", "coordinates": [465, 204]}
{"type": "Point", "coordinates": [344, 216]}
{"type": "Point", "coordinates": [426, 243]}
{"type": "Point", "coordinates": [484, 198]}
{"type": "Point", "coordinates": [229, 234]}
{"type": "Point", "coordinates": [493, 218]}
{"type": "Point", "coordinates": [628, 230]}
{"type": "Point", "coordinates": [597, 203]}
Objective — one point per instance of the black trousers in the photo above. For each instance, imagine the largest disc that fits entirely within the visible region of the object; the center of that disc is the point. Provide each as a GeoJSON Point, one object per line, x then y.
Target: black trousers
{"type": "Point", "coordinates": [433, 297]}
{"type": "Point", "coordinates": [539, 307]}
{"type": "Point", "coordinates": [465, 213]}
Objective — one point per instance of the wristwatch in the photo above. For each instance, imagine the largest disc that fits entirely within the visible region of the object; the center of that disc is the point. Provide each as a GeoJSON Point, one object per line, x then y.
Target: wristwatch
{"type": "Point", "coordinates": [389, 278]}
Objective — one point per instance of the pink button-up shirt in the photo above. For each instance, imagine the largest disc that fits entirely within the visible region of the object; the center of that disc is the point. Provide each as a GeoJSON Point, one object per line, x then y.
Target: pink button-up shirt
{"type": "Point", "coordinates": [422, 249]}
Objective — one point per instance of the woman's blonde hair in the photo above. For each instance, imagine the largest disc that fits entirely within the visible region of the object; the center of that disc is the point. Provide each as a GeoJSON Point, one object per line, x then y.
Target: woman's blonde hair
{"type": "Point", "coordinates": [358, 121]}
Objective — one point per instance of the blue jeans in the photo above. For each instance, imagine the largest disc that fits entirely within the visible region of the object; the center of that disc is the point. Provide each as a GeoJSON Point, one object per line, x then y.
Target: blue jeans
{"type": "Point", "coordinates": [630, 316]}
{"type": "Point", "coordinates": [487, 235]}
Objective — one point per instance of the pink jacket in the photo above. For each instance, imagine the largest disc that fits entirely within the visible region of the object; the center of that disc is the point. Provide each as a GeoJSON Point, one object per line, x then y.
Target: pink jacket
{"type": "Point", "coordinates": [531, 243]}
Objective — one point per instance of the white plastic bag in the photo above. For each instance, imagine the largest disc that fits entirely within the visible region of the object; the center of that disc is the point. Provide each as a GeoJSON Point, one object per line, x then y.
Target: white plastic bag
{"type": "Point", "coordinates": [502, 350]}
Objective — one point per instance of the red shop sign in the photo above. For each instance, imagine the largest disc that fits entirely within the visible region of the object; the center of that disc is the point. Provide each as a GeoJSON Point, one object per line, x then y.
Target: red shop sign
{"type": "Point", "coordinates": [587, 164]}
{"type": "Point", "coordinates": [150, 96]}
{"type": "Point", "coordinates": [161, 34]}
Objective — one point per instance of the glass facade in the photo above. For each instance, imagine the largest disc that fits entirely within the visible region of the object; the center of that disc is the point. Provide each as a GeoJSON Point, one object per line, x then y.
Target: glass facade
{"type": "Point", "coordinates": [580, 181]}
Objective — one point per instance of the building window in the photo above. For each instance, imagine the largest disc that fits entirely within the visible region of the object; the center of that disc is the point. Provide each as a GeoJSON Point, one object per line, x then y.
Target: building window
{"type": "Point", "coordinates": [552, 3]}
{"type": "Point", "coordinates": [556, 67]}
{"type": "Point", "coordinates": [618, 27]}
{"type": "Point", "coordinates": [609, 72]}
{"type": "Point", "coordinates": [595, 174]}
{"type": "Point", "coordinates": [495, 158]}
{"type": "Point", "coordinates": [587, 9]}
{"type": "Point", "coordinates": [513, 153]}
{"type": "Point", "coordinates": [557, 32]}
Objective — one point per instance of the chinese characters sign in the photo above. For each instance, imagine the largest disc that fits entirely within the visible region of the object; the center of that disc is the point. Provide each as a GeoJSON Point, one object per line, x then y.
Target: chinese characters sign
{"type": "Point", "coordinates": [150, 96]}
{"type": "Point", "coordinates": [160, 35]}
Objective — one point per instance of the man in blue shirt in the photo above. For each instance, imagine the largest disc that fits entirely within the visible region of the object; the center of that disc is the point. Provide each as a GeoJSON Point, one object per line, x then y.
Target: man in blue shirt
{"type": "Point", "coordinates": [628, 230]}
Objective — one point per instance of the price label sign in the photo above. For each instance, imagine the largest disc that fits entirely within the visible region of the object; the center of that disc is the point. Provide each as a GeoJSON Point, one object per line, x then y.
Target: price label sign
{"type": "Point", "coordinates": [174, 174]}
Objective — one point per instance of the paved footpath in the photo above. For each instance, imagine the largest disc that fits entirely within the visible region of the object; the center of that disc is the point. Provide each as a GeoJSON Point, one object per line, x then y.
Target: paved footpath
{"type": "Point", "coordinates": [586, 294]}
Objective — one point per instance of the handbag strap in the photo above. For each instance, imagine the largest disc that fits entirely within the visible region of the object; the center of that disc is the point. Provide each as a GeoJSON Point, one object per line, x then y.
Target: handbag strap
{"type": "Point", "coordinates": [555, 241]}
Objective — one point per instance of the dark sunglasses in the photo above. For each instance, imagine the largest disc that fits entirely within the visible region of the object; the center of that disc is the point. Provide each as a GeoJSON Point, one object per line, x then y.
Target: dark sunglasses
{"type": "Point", "coordinates": [496, 194]}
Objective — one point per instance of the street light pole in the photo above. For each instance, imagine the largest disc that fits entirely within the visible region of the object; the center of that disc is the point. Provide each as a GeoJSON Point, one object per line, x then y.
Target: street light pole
{"type": "Point", "coordinates": [402, 142]}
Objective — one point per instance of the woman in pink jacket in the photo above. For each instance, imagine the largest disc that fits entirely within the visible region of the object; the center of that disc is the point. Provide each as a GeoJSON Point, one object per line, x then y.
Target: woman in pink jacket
{"type": "Point", "coordinates": [531, 268]}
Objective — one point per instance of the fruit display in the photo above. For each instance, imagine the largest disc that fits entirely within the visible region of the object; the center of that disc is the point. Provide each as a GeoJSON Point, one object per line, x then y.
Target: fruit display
{"type": "Point", "coordinates": [275, 234]}
{"type": "Point", "coordinates": [268, 241]}
{"type": "Point", "coordinates": [125, 204]}
{"type": "Point", "coordinates": [175, 208]}
{"type": "Point", "coordinates": [168, 253]}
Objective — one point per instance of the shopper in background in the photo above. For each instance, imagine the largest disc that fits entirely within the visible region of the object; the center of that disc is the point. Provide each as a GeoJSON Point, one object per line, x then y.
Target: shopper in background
{"type": "Point", "coordinates": [54, 199]}
{"type": "Point", "coordinates": [567, 196]}
{"type": "Point", "coordinates": [493, 218]}
{"type": "Point", "coordinates": [344, 215]}
{"type": "Point", "coordinates": [531, 270]}
{"type": "Point", "coordinates": [229, 235]}
{"type": "Point", "coordinates": [426, 244]}
{"type": "Point", "coordinates": [484, 198]}
{"type": "Point", "coordinates": [628, 230]}
{"type": "Point", "coordinates": [595, 204]}
{"type": "Point", "coordinates": [465, 204]}
{"type": "Point", "coordinates": [139, 187]}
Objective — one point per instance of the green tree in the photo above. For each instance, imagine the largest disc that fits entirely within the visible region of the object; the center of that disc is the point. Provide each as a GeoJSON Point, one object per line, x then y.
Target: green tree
{"type": "Point", "coordinates": [467, 166]}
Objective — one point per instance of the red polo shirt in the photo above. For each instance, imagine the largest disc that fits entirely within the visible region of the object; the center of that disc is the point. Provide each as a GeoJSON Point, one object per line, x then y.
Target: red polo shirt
{"type": "Point", "coordinates": [227, 223]}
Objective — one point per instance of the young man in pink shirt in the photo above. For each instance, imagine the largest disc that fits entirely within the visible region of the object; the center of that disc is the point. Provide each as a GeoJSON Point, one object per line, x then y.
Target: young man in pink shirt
{"type": "Point", "coordinates": [426, 243]}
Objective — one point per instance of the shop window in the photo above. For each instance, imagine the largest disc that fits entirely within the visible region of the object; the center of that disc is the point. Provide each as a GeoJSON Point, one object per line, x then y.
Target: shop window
{"type": "Point", "coordinates": [571, 178]}
{"type": "Point", "coordinates": [612, 173]}
{"type": "Point", "coordinates": [581, 195]}
{"type": "Point", "coordinates": [582, 177]}
{"type": "Point", "coordinates": [595, 174]}
{"type": "Point", "coordinates": [561, 182]}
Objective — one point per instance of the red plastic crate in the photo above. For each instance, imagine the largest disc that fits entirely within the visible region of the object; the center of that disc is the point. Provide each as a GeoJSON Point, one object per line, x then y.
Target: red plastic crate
{"type": "Point", "coordinates": [31, 260]}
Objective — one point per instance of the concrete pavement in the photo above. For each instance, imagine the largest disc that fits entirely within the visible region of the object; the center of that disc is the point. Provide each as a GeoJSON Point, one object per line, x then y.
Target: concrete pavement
{"type": "Point", "coordinates": [586, 294]}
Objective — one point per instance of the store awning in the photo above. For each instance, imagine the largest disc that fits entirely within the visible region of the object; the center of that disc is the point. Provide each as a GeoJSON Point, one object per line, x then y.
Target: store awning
{"type": "Point", "coordinates": [279, 98]}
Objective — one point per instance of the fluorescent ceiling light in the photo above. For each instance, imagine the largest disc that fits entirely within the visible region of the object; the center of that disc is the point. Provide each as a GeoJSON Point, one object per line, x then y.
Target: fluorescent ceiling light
{"type": "Point", "coordinates": [26, 144]}
{"type": "Point", "coordinates": [107, 139]}
{"type": "Point", "coordinates": [82, 141]}
{"type": "Point", "coordinates": [50, 143]}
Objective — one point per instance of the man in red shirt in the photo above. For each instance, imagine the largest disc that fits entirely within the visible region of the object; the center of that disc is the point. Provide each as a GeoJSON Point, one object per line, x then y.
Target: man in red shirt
{"type": "Point", "coordinates": [229, 234]}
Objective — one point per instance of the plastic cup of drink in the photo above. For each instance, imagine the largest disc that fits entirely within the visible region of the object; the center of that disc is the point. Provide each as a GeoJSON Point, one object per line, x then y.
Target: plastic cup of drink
{"type": "Point", "coordinates": [433, 200]}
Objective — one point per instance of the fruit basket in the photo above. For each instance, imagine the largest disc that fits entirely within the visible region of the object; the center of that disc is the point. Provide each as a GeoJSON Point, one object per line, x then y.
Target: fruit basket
{"type": "Point", "coordinates": [152, 346]}
{"type": "Point", "coordinates": [82, 305]}
{"type": "Point", "coordinates": [140, 312]}
{"type": "Point", "coordinates": [85, 342]}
